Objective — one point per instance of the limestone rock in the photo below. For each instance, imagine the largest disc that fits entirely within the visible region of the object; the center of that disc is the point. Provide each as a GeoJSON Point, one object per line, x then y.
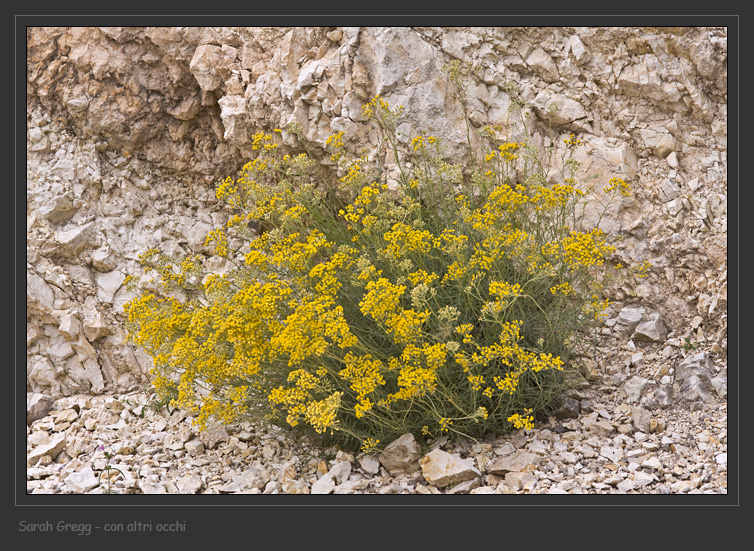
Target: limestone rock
{"type": "Point", "coordinates": [643, 79]}
{"type": "Point", "coordinates": [94, 325]}
{"type": "Point", "coordinates": [74, 240]}
{"type": "Point", "coordinates": [442, 469]}
{"type": "Point", "coordinates": [190, 484]}
{"type": "Point", "coordinates": [39, 293]}
{"type": "Point", "coordinates": [652, 330]}
{"type": "Point", "coordinates": [295, 487]}
{"type": "Point", "coordinates": [51, 449]}
{"type": "Point", "coordinates": [698, 364]}
{"type": "Point", "coordinates": [720, 383]}
{"type": "Point", "coordinates": [61, 208]}
{"type": "Point", "coordinates": [569, 407]}
{"type": "Point", "coordinates": [209, 66]}
{"type": "Point", "coordinates": [517, 462]}
{"type": "Point", "coordinates": [578, 49]}
{"type": "Point", "coordinates": [517, 480]}
{"type": "Point", "coordinates": [660, 141]}
{"type": "Point", "coordinates": [253, 478]}
{"type": "Point", "coordinates": [194, 446]}
{"type": "Point", "coordinates": [636, 388]}
{"type": "Point", "coordinates": [235, 116]}
{"type": "Point", "coordinates": [542, 63]}
{"type": "Point", "coordinates": [558, 109]}
{"type": "Point", "coordinates": [340, 471]}
{"type": "Point", "coordinates": [351, 486]}
{"type": "Point", "coordinates": [696, 389]}
{"type": "Point", "coordinates": [186, 109]}
{"type": "Point", "coordinates": [325, 485]}
{"type": "Point", "coordinates": [669, 190]}
{"type": "Point", "coordinates": [401, 456]}
{"type": "Point", "coordinates": [108, 284]}
{"type": "Point", "coordinates": [37, 406]}
{"type": "Point", "coordinates": [640, 418]}
{"type": "Point", "coordinates": [629, 318]}
{"type": "Point", "coordinates": [465, 487]}
{"type": "Point", "coordinates": [370, 464]}
{"type": "Point", "coordinates": [150, 487]}
{"type": "Point", "coordinates": [81, 481]}
{"type": "Point", "coordinates": [601, 427]}
{"type": "Point", "coordinates": [335, 35]}
{"type": "Point", "coordinates": [213, 435]}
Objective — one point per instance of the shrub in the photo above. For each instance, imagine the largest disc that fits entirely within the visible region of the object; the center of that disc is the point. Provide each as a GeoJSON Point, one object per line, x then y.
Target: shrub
{"type": "Point", "coordinates": [440, 301]}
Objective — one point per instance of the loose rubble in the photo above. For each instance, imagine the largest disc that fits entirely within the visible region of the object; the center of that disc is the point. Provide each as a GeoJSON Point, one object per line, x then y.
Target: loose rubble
{"type": "Point", "coordinates": [663, 436]}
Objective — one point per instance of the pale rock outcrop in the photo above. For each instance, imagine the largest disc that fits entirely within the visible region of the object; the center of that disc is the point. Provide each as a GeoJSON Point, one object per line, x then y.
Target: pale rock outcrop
{"type": "Point", "coordinates": [129, 128]}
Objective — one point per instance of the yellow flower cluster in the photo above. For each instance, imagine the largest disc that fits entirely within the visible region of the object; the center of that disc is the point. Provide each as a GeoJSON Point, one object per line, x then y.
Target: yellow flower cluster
{"type": "Point", "coordinates": [403, 239]}
{"type": "Point", "coordinates": [522, 421]}
{"type": "Point", "coordinates": [405, 327]}
{"type": "Point", "coordinates": [508, 150]}
{"type": "Point", "coordinates": [382, 303]}
{"type": "Point", "coordinates": [418, 368]}
{"type": "Point", "coordinates": [354, 175]}
{"type": "Point", "coordinates": [502, 201]}
{"type": "Point", "coordinates": [559, 195]}
{"type": "Point", "coordinates": [562, 289]}
{"type": "Point", "coordinates": [642, 270]}
{"type": "Point", "coordinates": [571, 141]}
{"type": "Point", "coordinates": [506, 352]}
{"type": "Point", "coordinates": [149, 315]}
{"type": "Point", "coordinates": [512, 244]}
{"type": "Point", "coordinates": [378, 106]}
{"type": "Point", "coordinates": [620, 185]}
{"type": "Point", "coordinates": [226, 188]}
{"type": "Point", "coordinates": [363, 204]}
{"type": "Point", "coordinates": [476, 382]}
{"type": "Point", "coordinates": [504, 289]}
{"type": "Point", "coordinates": [581, 249]}
{"type": "Point", "coordinates": [364, 375]}
{"type": "Point", "coordinates": [382, 299]}
{"type": "Point", "coordinates": [263, 141]}
{"type": "Point", "coordinates": [419, 143]}
{"type": "Point", "coordinates": [422, 277]}
{"type": "Point", "coordinates": [336, 142]}
{"type": "Point", "coordinates": [465, 331]}
{"type": "Point", "coordinates": [324, 275]}
{"type": "Point", "coordinates": [311, 329]}
{"type": "Point", "coordinates": [596, 308]}
{"type": "Point", "coordinates": [322, 414]}
{"type": "Point", "coordinates": [369, 445]}
{"type": "Point", "coordinates": [295, 254]}
{"type": "Point", "coordinates": [298, 399]}
{"type": "Point", "coordinates": [455, 272]}
{"type": "Point", "coordinates": [296, 212]}
{"type": "Point", "coordinates": [226, 410]}
{"type": "Point", "coordinates": [220, 240]}
{"type": "Point", "coordinates": [451, 243]}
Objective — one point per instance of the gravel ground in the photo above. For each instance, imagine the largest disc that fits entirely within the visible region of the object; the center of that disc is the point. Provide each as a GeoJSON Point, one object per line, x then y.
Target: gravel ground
{"type": "Point", "coordinates": [637, 428]}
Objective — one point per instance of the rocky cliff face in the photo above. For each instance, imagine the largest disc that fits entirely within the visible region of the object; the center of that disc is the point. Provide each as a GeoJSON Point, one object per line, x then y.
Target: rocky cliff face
{"type": "Point", "coordinates": [128, 129]}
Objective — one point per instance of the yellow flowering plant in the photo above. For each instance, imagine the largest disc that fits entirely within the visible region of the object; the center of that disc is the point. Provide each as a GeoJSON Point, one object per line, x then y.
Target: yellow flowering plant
{"type": "Point", "coordinates": [442, 302]}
